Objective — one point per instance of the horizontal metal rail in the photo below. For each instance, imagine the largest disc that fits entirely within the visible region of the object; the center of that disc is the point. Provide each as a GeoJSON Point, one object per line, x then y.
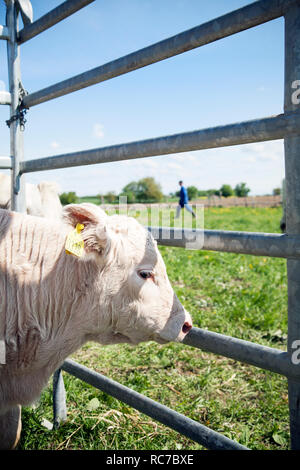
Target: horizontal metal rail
{"type": "Point", "coordinates": [249, 243]}
{"type": "Point", "coordinates": [51, 18]}
{"type": "Point", "coordinates": [257, 355]}
{"type": "Point", "coordinates": [239, 20]}
{"type": "Point", "coordinates": [4, 34]}
{"type": "Point", "coordinates": [5, 97]}
{"type": "Point", "coordinates": [5, 163]}
{"type": "Point", "coordinates": [257, 130]}
{"type": "Point", "coordinates": [180, 423]}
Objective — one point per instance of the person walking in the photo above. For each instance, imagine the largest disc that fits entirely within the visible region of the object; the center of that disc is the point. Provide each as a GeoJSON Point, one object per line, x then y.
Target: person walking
{"type": "Point", "coordinates": [183, 201]}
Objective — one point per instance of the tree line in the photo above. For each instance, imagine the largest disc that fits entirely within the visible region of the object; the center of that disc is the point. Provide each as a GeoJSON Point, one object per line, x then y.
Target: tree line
{"type": "Point", "coordinates": [147, 190]}
{"type": "Point", "coordinates": [240, 190]}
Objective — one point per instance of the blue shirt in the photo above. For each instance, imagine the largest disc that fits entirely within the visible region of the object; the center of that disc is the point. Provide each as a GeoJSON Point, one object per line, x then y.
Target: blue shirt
{"type": "Point", "coordinates": [183, 196]}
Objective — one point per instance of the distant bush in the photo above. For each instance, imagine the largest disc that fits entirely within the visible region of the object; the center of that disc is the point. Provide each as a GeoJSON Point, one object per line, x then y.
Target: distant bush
{"type": "Point", "coordinates": [226, 190]}
{"type": "Point", "coordinates": [192, 192]}
{"type": "Point", "coordinates": [276, 191]}
{"type": "Point", "coordinates": [241, 190]}
{"type": "Point", "coordinates": [144, 190]}
{"type": "Point", "coordinates": [68, 198]}
{"type": "Point", "coordinates": [129, 195]}
{"type": "Point", "coordinates": [111, 197]}
{"type": "Point", "coordinates": [202, 192]}
{"type": "Point", "coordinates": [213, 192]}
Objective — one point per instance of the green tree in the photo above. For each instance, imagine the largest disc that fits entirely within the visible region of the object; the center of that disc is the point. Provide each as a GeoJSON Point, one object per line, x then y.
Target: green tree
{"type": "Point", "coordinates": [130, 195]}
{"type": "Point", "coordinates": [68, 198]}
{"type": "Point", "coordinates": [241, 190]}
{"type": "Point", "coordinates": [192, 192]}
{"type": "Point", "coordinates": [276, 191]}
{"type": "Point", "coordinates": [144, 190]}
{"type": "Point", "coordinates": [110, 197]}
{"type": "Point", "coordinates": [226, 190]}
{"type": "Point", "coordinates": [213, 192]}
{"type": "Point", "coordinates": [149, 190]}
{"type": "Point", "coordinates": [131, 188]}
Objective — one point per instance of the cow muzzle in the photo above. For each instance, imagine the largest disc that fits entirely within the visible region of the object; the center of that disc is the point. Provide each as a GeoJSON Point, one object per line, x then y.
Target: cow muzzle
{"type": "Point", "coordinates": [177, 327]}
{"type": "Point", "coordinates": [186, 327]}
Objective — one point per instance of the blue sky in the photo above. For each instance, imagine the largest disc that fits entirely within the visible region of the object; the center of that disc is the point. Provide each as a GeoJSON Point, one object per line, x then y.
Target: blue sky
{"type": "Point", "coordinates": [234, 79]}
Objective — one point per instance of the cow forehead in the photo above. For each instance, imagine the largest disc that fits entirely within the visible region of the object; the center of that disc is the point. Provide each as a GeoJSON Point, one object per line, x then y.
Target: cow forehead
{"type": "Point", "coordinates": [127, 226]}
{"type": "Point", "coordinates": [136, 237]}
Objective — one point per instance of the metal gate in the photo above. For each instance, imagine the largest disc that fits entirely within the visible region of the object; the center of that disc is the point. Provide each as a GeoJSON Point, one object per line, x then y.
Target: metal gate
{"type": "Point", "coordinates": [284, 126]}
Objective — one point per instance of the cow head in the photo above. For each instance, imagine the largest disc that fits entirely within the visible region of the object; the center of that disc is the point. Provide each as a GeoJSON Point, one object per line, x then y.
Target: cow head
{"type": "Point", "coordinates": [136, 301]}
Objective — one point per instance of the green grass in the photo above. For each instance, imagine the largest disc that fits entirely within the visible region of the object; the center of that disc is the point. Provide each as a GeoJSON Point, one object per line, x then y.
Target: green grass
{"type": "Point", "coordinates": [92, 199]}
{"type": "Point", "coordinates": [239, 295]}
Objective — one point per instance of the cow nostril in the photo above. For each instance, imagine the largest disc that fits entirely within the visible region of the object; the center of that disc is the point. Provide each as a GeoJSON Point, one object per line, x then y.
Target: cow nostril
{"type": "Point", "coordinates": [186, 327]}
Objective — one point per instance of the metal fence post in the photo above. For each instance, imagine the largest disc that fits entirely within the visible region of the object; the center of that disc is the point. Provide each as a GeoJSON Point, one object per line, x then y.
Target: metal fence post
{"type": "Point", "coordinates": [15, 88]}
{"type": "Point", "coordinates": [59, 399]}
{"type": "Point", "coordinates": [292, 168]}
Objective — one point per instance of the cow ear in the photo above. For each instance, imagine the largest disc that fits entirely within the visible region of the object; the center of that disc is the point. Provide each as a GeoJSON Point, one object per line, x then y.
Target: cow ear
{"type": "Point", "coordinates": [95, 234]}
{"type": "Point", "coordinates": [86, 214]}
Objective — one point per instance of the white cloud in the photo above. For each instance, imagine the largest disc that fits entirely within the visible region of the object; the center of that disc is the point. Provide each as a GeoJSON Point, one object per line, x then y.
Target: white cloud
{"type": "Point", "coordinates": [183, 157]}
{"type": "Point", "coordinates": [272, 150]}
{"type": "Point", "coordinates": [191, 158]}
{"type": "Point", "coordinates": [55, 144]}
{"type": "Point", "coordinates": [150, 163]}
{"type": "Point", "coordinates": [250, 159]}
{"type": "Point", "coordinates": [178, 157]}
{"type": "Point", "coordinates": [98, 131]}
{"type": "Point", "coordinates": [174, 166]}
{"type": "Point", "coordinates": [140, 164]}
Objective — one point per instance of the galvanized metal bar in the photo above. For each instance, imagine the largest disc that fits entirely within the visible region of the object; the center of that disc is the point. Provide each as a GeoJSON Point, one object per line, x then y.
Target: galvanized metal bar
{"type": "Point", "coordinates": [247, 352]}
{"type": "Point", "coordinates": [18, 202]}
{"type": "Point", "coordinates": [4, 34]}
{"type": "Point", "coordinates": [180, 423]}
{"type": "Point", "coordinates": [51, 18]}
{"type": "Point", "coordinates": [257, 130]}
{"type": "Point", "coordinates": [249, 243]}
{"type": "Point", "coordinates": [5, 163]}
{"type": "Point", "coordinates": [239, 20]}
{"type": "Point", "coordinates": [292, 181]}
{"type": "Point", "coordinates": [5, 97]}
{"type": "Point", "coordinates": [59, 399]}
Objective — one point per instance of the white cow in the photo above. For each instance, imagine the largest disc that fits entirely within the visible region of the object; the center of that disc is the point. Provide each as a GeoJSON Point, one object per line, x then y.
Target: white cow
{"type": "Point", "coordinates": [53, 302]}
{"type": "Point", "coordinates": [41, 200]}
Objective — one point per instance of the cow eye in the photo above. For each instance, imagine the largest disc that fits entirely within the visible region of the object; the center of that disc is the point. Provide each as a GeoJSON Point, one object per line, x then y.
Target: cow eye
{"type": "Point", "coordinates": [145, 274]}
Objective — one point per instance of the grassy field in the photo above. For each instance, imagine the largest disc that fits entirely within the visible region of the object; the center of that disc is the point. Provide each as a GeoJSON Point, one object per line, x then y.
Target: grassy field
{"type": "Point", "coordinates": [239, 295]}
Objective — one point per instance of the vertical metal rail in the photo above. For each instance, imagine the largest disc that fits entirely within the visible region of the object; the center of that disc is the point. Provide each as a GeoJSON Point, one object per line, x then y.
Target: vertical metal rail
{"type": "Point", "coordinates": [15, 87]}
{"type": "Point", "coordinates": [59, 399]}
{"type": "Point", "coordinates": [292, 169]}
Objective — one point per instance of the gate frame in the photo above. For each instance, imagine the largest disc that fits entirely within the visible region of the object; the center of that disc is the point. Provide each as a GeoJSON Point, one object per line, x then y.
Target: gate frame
{"type": "Point", "coordinates": [285, 126]}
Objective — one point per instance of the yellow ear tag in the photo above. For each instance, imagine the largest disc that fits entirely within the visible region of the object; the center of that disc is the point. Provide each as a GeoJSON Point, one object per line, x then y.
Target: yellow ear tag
{"type": "Point", "coordinates": [74, 243]}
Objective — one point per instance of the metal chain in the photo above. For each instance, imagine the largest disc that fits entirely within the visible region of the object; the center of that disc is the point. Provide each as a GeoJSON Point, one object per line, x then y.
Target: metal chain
{"type": "Point", "coordinates": [20, 114]}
